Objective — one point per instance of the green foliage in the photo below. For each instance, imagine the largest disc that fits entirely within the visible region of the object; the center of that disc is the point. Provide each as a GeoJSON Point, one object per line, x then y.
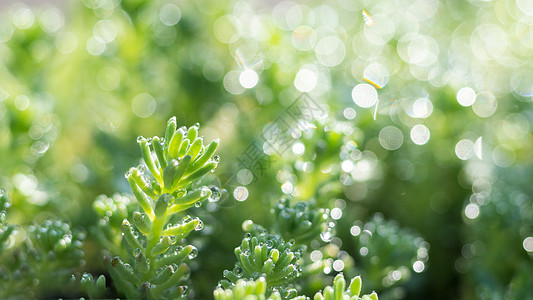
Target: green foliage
{"type": "Point", "coordinates": [339, 290]}
{"type": "Point", "coordinates": [265, 255]}
{"type": "Point", "coordinates": [257, 289]}
{"type": "Point", "coordinates": [43, 263]}
{"type": "Point", "coordinates": [387, 254]}
{"type": "Point", "coordinates": [153, 264]}
{"type": "Point", "coordinates": [302, 222]}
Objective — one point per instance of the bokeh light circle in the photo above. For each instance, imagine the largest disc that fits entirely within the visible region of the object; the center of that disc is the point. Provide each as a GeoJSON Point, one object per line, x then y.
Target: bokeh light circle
{"type": "Point", "coordinates": [391, 138]}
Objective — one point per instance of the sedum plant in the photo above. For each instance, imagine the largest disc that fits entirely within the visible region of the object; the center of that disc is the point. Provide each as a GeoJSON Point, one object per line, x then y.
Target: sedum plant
{"type": "Point", "coordinates": [43, 263]}
{"type": "Point", "coordinates": [257, 289]}
{"type": "Point", "coordinates": [153, 264]}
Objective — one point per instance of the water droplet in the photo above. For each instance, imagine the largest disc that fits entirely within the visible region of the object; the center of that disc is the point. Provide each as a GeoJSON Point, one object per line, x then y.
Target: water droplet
{"type": "Point", "coordinates": [127, 175]}
{"type": "Point", "coordinates": [247, 235]}
{"type": "Point", "coordinates": [140, 138]}
{"type": "Point", "coordinates": [187, 219]}
{"type": "Point", "coordinates": [149, 141]}
{"type": "Point", "coordinates": [204, 191]}
{"type": "Point", "coordinates": [216, 158]}
{"type": "Point", "coordinates": [292, 241]}
{"type": "Point", "coordinates": [199, 226]}
{"type": "Point", "coordinates": [198, 204]}
{"type": "Point", "coordinates": [181, 193]}
{"type": "Point", "coordinates": [238, 271]}
{"type": "Point", "coordinates": [197, 125]}
{"type": "Point", "coordinates": [326, 236]}
{"type": "Point", "coordinates": [215, 194]}
{"type": "Point", "coordinates": [137, 251]}
{"type": "Point", "coordinates": [2, 192]}
{"type": "Point", "coordinates": [173, 239]}
{"type": "Point", "coordinates": [269, 244]}
{"type": "Point", "coordinates": [183, 130]}
{"type": "Point", "coordinates": [194, 252]}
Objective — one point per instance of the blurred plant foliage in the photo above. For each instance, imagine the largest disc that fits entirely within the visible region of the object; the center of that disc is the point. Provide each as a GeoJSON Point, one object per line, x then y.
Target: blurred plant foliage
{"type": "Point", "coordinates": [383, 126]}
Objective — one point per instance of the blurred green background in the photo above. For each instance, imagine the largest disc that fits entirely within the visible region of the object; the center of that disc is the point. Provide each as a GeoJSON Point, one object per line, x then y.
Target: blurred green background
{"type": "Point", "coordinates": [426, 126]}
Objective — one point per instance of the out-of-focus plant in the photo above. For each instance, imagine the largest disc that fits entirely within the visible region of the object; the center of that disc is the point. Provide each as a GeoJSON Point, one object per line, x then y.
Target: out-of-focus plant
{"type": "Point", "coordinates": [40, 265]}
{"type": "Point", "coordinates": [387, 255]}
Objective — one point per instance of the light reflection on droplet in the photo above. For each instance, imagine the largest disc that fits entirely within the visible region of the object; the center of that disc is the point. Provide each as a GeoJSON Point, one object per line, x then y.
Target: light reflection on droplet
{"type": "Point", "coordinates": [232, 84]}
{"type": "Point", "coordinates": [422, 108]}
{"type": "Point", "coordinates": [503, 156]}
{"type": "Point", "coordinates": [528, 244]}
{"type": "Point", "coordinates": [240, 193]}
{"type": "Point", "coordinates": [355, 230]}
{"type": "Point", "coordinates": [485, 104]}
{"type": "Point", "coordinates": [420, 134]}
{"type": "Point", "coordinates": [226, 29]}
{"type": "Point", "coordinates": [95, 46]}
{"type": "Point", "coordinates": [305, 80]}
{"type": "Point", "coordinates": [304, 38]}
{"type": "Point", "coordinates": [248, 78]}
{"type": "Point", "coordinates": [349, 113]}
{"type": "Point", "coordinates": [143, 105]}
{"type": "Point", "coordinates": [338, 265]}
{"type": "Point", "coordinates": [245, 176]}
{"type": "Point", "coordinates": [525, 6]}
{"type": "Point", "coordinates": [391, 138]}
{"type": "Point", "coordinates": [464, 149]}
{"type": "Point", "coordinates": [488, 42]}
{"type": "Point", "coordinates": [364, 95]}
{"type": "Point", "coordinates": [347, 166]}
{"type": "Point", "coordinates": [478, 147]}
{"type": "Point", "coordinates": [418, 266]}
{"type": "Point", "coordinates": [466, 96]}
{"type": "Point", "coordinates": [316, 255]}
{"type": "Point", "coordinates": [381, 30]}
{"type": "Point", "coordinates": [472, 211]}
{"type": "Point", "coordinates": [52, 20]}
{"type": "Point", "coordinates": [367, 18]}
{"type": "Point", "coordinates": [287, 188]}
{"type": "Point", "coordinates": [298, 148]}
{"type": "Point", "coordinates": [106, 30]}
{"type": "Point", "coordinates": [66, 42]}
{"type": "Point", "coordinates": [336, 213]}
{"type": "Point", "coordinates": [22, 102]}
{"type": "Point", "coordinates": [377, 75]}
{"type": "Point", "coordinates": [330, 51]}
{"type": "Point", "coordinates": [170, 14]}
{"type": "Point", "coordinates": [23, 18]}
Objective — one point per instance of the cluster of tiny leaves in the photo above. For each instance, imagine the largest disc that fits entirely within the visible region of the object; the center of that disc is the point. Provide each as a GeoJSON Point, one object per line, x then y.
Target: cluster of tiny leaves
{"type": "Point", "coordinates": [268, 256]}
{"type": "Point", "coordinates": [257, 290]}
{"type": "Point", "coordinates": [396, 248]}
{"type": "Point", "coordinates": [5, 229]}
{"type": "Point", "coordinates": [339, 290]}
{"type": "Point", "coordinates": [43, 263]}
{"type": "Point", "coordinates": [302, 222]}
{"type": "Point", "coordinates": [169, 183]}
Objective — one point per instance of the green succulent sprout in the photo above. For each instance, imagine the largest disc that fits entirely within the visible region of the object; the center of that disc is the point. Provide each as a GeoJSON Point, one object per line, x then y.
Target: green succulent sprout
{"type": "Point", "coordinates": [339, 290]}
{"type": "Point", "coordinates": [154, 265]}
{"type": "Point", "coordinates": [43, 263]}
{"type": "Point", "coordinates": [302, 222]}
{"type": "Point", "coordinates": [5, 229]}
{"type": "Point", "coordinates": [245, 289]}
{"type": "Point", "coordinates": [264, 255]}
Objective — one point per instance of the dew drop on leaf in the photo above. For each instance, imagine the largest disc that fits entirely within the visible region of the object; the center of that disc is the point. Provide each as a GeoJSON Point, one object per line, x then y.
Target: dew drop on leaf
{"type": "Point", "coordinates": [194, 253]}
{"type": "Point", "coordinates": [199, 226]}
